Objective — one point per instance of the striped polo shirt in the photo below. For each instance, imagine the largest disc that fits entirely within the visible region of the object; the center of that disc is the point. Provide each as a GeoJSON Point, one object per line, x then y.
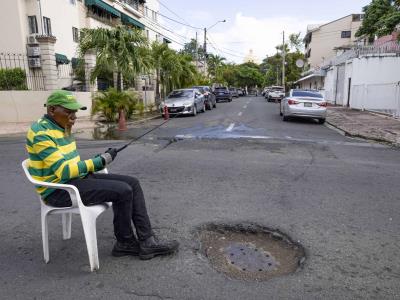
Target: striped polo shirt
{"type": "Point", "coordinates": [53, 156]}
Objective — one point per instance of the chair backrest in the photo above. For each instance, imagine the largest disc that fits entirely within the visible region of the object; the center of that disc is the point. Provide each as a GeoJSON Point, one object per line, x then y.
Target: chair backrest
{"type": "Point", "coordinates": [25, 165]}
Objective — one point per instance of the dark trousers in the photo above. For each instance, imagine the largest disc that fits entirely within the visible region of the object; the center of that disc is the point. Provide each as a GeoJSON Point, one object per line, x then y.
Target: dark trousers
{"type": "Point", "coordinates": [124, 192]}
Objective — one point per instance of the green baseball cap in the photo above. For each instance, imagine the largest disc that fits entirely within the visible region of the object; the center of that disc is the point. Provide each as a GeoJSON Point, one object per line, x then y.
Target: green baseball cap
{"type": "Point", "coordinates": [65, 99]}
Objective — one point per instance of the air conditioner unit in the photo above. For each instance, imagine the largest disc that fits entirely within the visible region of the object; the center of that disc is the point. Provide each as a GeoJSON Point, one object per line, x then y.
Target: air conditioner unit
{"type": "Point", "coordinates": [33, 50]}
{"type": "Point", "coordinates": [32, 39]}
{"type": "Point", "coordinates": [34, 62]}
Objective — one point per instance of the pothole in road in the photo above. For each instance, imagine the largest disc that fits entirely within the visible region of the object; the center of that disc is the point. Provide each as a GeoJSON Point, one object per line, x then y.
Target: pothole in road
{"type": "Point", "coordinates": [250, 252]}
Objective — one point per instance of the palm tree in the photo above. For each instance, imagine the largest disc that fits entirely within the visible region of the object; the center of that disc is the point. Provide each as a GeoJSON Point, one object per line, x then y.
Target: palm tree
{"type": "Point", "coordinates": [214, 63]}
{"type": "Point", "coordinates": [119, 49]}
{"type": "Point", "coordinates": [158, 51]}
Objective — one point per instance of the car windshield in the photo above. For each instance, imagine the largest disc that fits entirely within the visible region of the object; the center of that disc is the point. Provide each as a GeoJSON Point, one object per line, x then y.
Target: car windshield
{"type": "Point", "coordinates": [232, 89]}
{"type": "Point", "coordinates": [220, 89]}
{"type": "Point", "coordinates": [181, 94]}
{"type": "Point", "coordinates": [312, 94]}
{"type": "Point", "coordinates": [277, 89]}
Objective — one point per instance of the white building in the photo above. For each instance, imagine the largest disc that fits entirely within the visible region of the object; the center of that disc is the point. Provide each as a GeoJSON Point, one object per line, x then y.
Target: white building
{"type": "Point", "coordinates": [21, 21]}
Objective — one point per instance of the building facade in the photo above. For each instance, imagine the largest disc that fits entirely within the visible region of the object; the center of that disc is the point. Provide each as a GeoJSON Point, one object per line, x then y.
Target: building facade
{"type": "Point", "coordinates": [24, 23]}
{"type": "Point", "coordinates": [321, 41]}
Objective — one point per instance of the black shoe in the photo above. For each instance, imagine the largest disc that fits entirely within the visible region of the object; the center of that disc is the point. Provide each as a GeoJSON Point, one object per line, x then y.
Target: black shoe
{"type": "Point", "coordinates": [152, 247]}
{"type": "Point", "coordinates": [126, 248]}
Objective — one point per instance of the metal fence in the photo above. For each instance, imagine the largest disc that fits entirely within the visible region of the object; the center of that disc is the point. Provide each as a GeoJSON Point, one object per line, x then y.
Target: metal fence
{"type": "Point", "coordinates": [393, 48]}
{"type": "Point", "coordinates": [73, 77]}
{"type": "Point", "coordinates": [16, 73]}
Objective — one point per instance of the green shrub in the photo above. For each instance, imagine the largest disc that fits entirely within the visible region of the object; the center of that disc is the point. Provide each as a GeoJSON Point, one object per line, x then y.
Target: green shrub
{"type": "Point", "coordinates": [12, 79]}
{"type": "Point", "coordinates": [140, 108]}
{"type": "Point", "coordinates": [110, 102]}
{"type": "Point", "coordinates": [151, 107]}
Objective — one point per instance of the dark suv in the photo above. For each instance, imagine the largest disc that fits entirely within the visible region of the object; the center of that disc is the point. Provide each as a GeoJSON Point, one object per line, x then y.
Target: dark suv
{"type": "Point", "coordinates": [222, 93]}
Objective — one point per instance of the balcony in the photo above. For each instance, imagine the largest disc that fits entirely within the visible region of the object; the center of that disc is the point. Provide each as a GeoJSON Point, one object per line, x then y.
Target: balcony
{"type": "Point", "coordinates": [135, 7]}
{"type": "Point", "coordinates": [104, 18]}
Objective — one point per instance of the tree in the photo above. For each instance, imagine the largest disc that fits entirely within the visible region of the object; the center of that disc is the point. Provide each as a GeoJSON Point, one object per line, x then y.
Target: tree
{"type": "Point", "coordinates": [296, 42]}
{"type": "Point", "coordinates": [190, 49]}
{"type": "Point", "coordinates": [214, 64]}
{"type": "Point", "coordinates": [118, 50]}
{"type": "Point", "coordinates": [381, 18]}
{"type": "Point", "coordinates": [158, 51]}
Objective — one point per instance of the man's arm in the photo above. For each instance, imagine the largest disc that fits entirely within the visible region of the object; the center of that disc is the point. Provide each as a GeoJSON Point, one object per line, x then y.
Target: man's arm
{"type": "Point", "coordinates": [63, 168]}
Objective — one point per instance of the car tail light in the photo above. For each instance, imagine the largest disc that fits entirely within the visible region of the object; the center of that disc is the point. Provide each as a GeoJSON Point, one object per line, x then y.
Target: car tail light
{"type": "Point", "coordinates": [324, 104]}
{"type": "Point", "coordinates": [292, 102]}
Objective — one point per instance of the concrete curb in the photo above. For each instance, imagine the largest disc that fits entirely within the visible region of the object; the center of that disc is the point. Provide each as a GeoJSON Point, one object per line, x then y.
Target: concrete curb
{"type": "Point", "coordinates": [366, 137]}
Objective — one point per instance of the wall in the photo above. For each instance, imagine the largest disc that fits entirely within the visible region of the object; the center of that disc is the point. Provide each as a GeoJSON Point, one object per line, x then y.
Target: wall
{"type": "Point", "coordinates": [376, 83]}
{"type": "Point", "coordinates": [27, 106]}
{"type": "Point", "coordinates": [13, 29]}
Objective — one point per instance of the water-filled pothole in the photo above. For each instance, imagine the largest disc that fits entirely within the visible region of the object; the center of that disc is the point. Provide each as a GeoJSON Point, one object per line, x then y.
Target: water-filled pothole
{"type": "Point", "coordinates": [250, 252]}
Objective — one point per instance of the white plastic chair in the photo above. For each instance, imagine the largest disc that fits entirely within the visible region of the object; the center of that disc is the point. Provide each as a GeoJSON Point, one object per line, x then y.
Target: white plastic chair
{"type": "Point", "coordinates": [88, 215]}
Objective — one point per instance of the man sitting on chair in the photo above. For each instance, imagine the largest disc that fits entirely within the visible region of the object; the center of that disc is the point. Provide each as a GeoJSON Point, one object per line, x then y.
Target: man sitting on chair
{"type": "Point", "coordinates": [53, 158]}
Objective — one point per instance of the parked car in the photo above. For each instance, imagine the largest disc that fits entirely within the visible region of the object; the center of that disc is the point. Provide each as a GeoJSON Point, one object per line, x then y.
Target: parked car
{"type": "Point", "coordinates": [265, 91]}
{"type": "Point", "coordinates": [234, 92]}
{"type": "Point", "coordinates": [184, 101]}
{"type": "Point", "coordinates": [76, 86]}
{"type": "Point", "coordinates": [275, 93]}
{"type": "Point", "coordinates": [222, 93]}
{"type": "Point", "coordinates": [240, 92]}
{"type": "Point", "coordinates": [253, 92]}
{"type": "Point", "coordinates": [208, 96]}
{"type": "Point", "coordinates": [304, 103]}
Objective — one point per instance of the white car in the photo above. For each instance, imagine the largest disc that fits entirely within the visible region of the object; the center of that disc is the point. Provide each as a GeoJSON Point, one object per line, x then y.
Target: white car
{"type": "Point", "coordinates": [276, 93]}
{"type": "Point", "coordinates": [304, 103]}
{"type": "Point", "coordinates": [184, 102]}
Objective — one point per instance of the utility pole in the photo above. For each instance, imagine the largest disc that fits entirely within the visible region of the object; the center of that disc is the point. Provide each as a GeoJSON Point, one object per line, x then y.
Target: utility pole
{"type": "Point", "coordinates": [205, 49]}
{"type": "Point", "coordinates": [283, 61]}
{"type": "Point", "coordinates": [197, 54]}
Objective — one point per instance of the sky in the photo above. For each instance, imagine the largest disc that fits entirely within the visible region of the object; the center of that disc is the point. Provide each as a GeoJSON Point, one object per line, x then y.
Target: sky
{"type": "Point", "coordinates": [250, 25]}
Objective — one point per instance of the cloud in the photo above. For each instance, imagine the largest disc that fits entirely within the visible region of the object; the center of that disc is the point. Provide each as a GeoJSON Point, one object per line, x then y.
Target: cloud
{"type": "Point", "coordinates": [260, 35]}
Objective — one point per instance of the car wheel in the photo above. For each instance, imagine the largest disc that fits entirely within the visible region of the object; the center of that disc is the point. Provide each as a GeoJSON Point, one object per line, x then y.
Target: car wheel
{"type": "Point", "coordinates": [285, 118]}
{"type": "Point", "coordinates": [194, 111]}
{"type": "Point", "coordinates": [321, 121]}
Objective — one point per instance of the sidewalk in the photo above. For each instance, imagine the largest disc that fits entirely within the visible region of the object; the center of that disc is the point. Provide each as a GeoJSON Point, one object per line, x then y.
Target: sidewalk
{"type": "Point", "coordinates": [364, 124]}
{"type": "Point", "coordinates": [81, 123]}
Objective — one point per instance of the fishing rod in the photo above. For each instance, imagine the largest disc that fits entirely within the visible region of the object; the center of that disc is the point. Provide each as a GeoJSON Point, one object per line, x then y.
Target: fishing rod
{"type": "Point", "coordinates": [147, 132]}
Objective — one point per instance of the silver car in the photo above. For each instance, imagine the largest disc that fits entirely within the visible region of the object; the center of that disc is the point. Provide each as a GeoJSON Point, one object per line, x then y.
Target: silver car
{"type": "Point", "coordinates": [304, 103]}
{"type": "Point", "coordinates": [184, 101]}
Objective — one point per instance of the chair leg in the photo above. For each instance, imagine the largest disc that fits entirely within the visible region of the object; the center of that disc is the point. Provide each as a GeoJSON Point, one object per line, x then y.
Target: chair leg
{"type": "Point", "coordinates": [45, 237]}
{"type": "Point", "coordinates": [66, 225]}
{"type": "Point", "coordinates": [89, 229]}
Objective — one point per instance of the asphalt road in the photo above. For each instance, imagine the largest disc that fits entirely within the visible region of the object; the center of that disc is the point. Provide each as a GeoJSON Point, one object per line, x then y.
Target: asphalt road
{"type": "Point", "coordinates": [339, 197]}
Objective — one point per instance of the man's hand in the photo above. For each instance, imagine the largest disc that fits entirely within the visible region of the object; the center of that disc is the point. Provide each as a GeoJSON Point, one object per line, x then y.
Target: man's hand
{"type": "Point", "coordinates": [109, 156]}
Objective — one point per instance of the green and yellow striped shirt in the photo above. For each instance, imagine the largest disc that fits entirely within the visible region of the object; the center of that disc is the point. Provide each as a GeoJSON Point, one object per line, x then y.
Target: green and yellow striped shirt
{"type": "Point", "coordinates": [53, 156]}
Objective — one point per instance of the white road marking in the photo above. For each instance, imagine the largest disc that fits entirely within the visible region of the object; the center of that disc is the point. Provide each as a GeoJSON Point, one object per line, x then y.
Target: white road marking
{"type": "Point", "coordinates": [230, 127]}
{"type": "Point", "coordinates": [239, 114]}
{"type": "Point", "coordinates": [245, 106]}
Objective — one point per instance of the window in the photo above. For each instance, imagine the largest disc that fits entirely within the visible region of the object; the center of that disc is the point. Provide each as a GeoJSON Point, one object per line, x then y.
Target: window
{"type": "Point", "coordinates": [75, 34]}
{"type": "Point", "coordinates": [32, 23]}
{"type": "Point", "coordinates": [346, 34]}
{"type": "Point", "coordinates": [47, 26]}
{"type": "Point", "coordinates": [147, 11]}
{"type": "Point", "coordinates": [72, 2]}
{"type": "Point", "coordinates": [154, 15]}
{"type": "Point", "coordinates": [147, 34]}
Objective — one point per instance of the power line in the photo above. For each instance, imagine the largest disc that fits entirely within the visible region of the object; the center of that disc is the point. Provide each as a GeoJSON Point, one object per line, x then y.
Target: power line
{"type": "Point", "coordinates": [173, 20]}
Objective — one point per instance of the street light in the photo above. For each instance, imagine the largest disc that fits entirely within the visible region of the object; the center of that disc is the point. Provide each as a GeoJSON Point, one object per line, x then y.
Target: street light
{"type": "Point", "coordinates": [205, 41]}
{"type": "Point", "coordinates": [205, 34]}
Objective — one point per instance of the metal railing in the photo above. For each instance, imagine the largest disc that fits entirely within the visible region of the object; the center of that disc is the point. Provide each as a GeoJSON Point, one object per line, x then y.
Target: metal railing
{"type": "Point", "coordinates": [16, 73]}
{"type": "Point", "coordinates": [388, 48]}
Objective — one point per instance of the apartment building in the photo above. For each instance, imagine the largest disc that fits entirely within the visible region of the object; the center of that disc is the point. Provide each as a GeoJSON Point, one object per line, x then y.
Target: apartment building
{"type": "Point", "coordinates": [321, 41]}
{"type": "Point", "coordinates": [23, 22]}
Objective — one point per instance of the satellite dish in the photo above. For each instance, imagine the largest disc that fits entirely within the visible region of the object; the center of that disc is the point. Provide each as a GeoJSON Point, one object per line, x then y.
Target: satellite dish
{"type": "Point", "coordinates": [300, 63]}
